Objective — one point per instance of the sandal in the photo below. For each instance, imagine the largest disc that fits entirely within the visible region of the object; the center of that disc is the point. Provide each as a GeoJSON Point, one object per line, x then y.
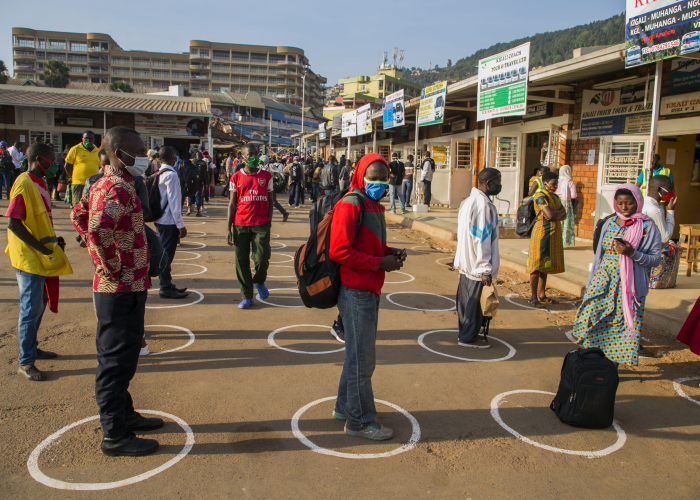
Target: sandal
{"type": "Point", "coordinates": [536, 303]}
{"type": "Point", "coordinates": [547, 300]}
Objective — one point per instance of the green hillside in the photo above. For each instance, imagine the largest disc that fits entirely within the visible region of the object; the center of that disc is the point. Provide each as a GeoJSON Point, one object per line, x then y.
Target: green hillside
{"type": "Point", "coordinates": [546, 48]}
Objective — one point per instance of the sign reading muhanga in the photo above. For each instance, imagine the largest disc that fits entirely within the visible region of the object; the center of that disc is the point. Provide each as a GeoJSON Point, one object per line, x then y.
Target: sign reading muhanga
{"type": "Point", "coordinates": [503, 83]}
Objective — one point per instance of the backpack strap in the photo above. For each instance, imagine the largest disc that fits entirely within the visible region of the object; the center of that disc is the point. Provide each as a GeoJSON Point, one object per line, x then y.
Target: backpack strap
{"type": "Point", "coordinates": [362, 209]}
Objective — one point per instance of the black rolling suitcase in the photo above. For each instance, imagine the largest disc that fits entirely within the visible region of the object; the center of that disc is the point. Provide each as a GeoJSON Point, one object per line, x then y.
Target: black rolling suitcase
{"type": "Point", "coordinates": [586, 395]}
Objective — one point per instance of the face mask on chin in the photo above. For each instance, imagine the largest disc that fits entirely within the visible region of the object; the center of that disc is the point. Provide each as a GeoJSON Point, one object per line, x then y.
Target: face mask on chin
{"type": "Point", "coordinates": [139, 167]}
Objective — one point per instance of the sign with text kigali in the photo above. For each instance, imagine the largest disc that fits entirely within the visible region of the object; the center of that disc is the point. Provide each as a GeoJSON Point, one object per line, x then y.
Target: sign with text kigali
{"type": "Point", "coordinates": [661, 29]}
{"type": "Point", "coordinates": [503, 83]}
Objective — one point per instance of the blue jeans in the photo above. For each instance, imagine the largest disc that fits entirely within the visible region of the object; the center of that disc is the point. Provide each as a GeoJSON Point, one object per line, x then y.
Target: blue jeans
{"type": "Point", "coordinates": [32, 303]}
{"type": "Point", "coordinates": [197, 198]}
{"type": "Point", "coordinates": [314, 192]}
{"type": "Point", "coordinates": [295, 193]}
{"type": "Point", "coordinates": [7, 179]}
{"type": "Point", "coordinates": [393, 194]}
{"type": "Point", "coordinates": [359, 311]}
{"type": "Point", "coordinates": [406, 192]}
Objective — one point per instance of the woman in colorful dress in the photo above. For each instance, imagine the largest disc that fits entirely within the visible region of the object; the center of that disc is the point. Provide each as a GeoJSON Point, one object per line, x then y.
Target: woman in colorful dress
{"type": "Point", "coordinates": [546, 255]}
{"type": "Point", "coordinates": [612, 311]}
{"type": "Point", "coordinates": [567, 194]}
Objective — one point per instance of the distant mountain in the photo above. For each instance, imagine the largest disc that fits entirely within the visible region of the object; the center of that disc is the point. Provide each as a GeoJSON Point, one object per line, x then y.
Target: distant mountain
{"type": "Point", "coordinates": [545, 49]}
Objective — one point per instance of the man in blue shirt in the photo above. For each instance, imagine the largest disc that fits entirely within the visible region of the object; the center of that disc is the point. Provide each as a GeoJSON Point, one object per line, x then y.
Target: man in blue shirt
{"type": "Point", "coordinates": [657, 169]}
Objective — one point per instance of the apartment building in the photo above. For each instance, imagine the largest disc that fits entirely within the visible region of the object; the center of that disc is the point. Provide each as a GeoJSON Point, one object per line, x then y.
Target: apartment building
{"type": "Point", "coordinates": [275, 72]}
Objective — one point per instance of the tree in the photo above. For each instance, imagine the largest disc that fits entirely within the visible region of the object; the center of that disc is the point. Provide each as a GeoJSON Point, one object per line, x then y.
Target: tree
{"type": "Point", "coordinates": [3, 73]}
{"type": "Point", "coordinates": [449, 63]}
{"type": "Point", "coordinates": [187, 92]}
{"type": "Point", "coordinates": [120, 86]}
{"type": "Point", "coordinates": [56, 74]}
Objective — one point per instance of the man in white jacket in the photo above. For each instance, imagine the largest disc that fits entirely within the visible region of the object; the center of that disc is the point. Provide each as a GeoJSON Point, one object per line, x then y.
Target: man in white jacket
{"type": "Point", "coordinates": [477, 258]}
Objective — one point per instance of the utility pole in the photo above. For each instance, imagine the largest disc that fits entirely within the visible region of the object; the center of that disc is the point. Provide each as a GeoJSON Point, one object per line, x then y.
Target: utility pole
{"type": "Point", "coordinates": [654, 125]}
{"type": "Point", "coordinates": [303, 96]}
{"type": "Point", "coordinates": [270, 138]}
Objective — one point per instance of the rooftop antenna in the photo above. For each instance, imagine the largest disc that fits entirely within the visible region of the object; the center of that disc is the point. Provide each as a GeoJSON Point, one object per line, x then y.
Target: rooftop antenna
{"type": "Point", "coordinates": [401, 59]}
{"type": "Point", "coordinates": [386, 57]}
{"type": "Point", "coordinates": [396, 51]}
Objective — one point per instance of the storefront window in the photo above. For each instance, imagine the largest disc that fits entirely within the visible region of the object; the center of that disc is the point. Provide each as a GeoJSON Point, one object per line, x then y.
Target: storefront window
{"type": "Point", "coordinates": [464, 155]}
{"type": "Point", "coordinates": [623, 161]}
{"type": "Point", "coordinates": [506, 152]}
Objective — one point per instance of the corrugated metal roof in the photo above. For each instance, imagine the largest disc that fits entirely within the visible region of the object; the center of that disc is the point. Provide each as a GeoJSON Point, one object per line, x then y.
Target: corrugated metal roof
{"type": "Point", "coordinates": [102, 101]}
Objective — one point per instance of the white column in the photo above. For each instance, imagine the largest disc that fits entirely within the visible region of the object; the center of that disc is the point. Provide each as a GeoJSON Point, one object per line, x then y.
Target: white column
{"type": "Point", "coordinates": [374, 141]}
{"type": "Point", "coordinates": [487, 144]}
{"type": "Point", "coordinates": [347, 157]}
{"type": "Point", "coordinates": [654, 122]}
{"type": "Point", "coordinates": [210, 145]}
{"type": "Point", "coordinates": [416, 166]}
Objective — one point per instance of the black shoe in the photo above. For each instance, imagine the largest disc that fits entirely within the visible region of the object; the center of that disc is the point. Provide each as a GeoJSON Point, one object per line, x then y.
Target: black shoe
{"type": "Point", "coordinates": [180, 290]}
{"type": "Point", "coordinates": [171, 293]}
{"type": "Point", "coordinates": [140, 423]}
{"type": "Point", "coordinates": [285, 217]}
{"type": "Point", "coordinates": [32, 373]}
{"type": "Point", "coordinates": [643, 352]}
{"type": "Point", "coordinates": [45, 354]}
{"type": "Point", "coordinates": [129, 446]}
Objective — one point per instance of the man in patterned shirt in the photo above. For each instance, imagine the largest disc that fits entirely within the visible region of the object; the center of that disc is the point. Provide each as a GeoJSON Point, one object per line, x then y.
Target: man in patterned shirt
{"type": "Point", "coordinates": [110, 219]}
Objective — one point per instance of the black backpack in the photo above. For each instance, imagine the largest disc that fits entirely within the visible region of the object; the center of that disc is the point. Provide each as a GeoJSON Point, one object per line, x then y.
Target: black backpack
{"type": "Point", "coordinates": [154, 198]}
{"type": "Point", "coordinates": [189, 178]}
{"type": "Point", "coordinates": [203, 171]}
{"type": "Point", "coordinates": [279, 182]}
{"type": "Point", "coordinates": [586, 395]}
{"type": "Point", "coordinates": [295, 172]}
{"type": "Point", "coordinates": [598, 229]}
{"type": "Point", "coordinates": [318, 277]}
{"type": "Point", "coordinates": [24, 164]}
{"type": "Point", "coordinates": [6, 161]}
{"type": "Point", "coordinates": [159, 257]}
{"type": "Point", "coordinates": [526, 217]}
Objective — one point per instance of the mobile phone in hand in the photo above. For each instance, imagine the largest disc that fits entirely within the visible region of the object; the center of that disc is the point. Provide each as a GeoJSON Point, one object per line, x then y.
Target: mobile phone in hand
{"type": "Point", "coordinates": [403, 253]}
{"type": "Point", "coordinates": [620, 240]}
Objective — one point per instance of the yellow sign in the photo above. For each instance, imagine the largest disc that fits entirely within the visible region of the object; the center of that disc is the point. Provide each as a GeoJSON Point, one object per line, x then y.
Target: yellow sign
{"type": "Point", "coordinates": [439, 154]}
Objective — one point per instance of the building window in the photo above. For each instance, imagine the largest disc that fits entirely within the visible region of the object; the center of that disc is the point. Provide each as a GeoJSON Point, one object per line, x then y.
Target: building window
{"type": "Point", "coordinates": [55, 55]}
{"type": "Point", "coordinates": [239, 69]}
{"type": "Point", "coordinates": [181, 75]}
{"type": "Point", "coordinates": [77, 58]}
{"type": "Point", "coordinates": [57, 44]}
{"type": "Point", "coordinates": [276, 80]}
{"type": "Point", "coordinates": [239, 56]}
{"type": "Point", "coordinates": [623, 161]}
{"type": "Point", "coordinates": [120, 71]}
{"type": "Point", "coordinates": [239, 78]}
{"type": "Point", "coordinates": [220, 67]}
{"type": "Point", "coordinates": [464, 154]}
{"type": "Point", "coordinates": [141, 62]}
{"type": "Point", "coordinates": [180, 64]}
{"type": "Point", "coordinates": [161, 74]}
{"type": "Point", "coordinates": [219, 88]}
{"type": "Point", "coordinates": [291, 59]}
{"type": "Point", "coordinates": [506, 152]}
{"type": "Point", "coordinates": [24, 42]}
{"type": "Point", "coordinates": [362, 86]}
{"type": "Point", "coordinates": [77, 69]}
{"type": "Point", "coordinates": [78, 46]}
{"type": "Point", "coordinates": [203, 53]}
{"type": "Point", "coordinates": [160, 84]}
{"type": "Point", "coordinates": [41, 43]}
{"type": "Point", "coordinates": [125, 62]}
{"type": "Point", "coordinates": [239, 90]}
{"type": "Point", "coordinates": [258, 69]}
{"type": "Point", "coordinates": [276, 58]}
{"type": "Point", "coordinates": [258, 57]}
{"type": "Point", "coordinates": [144, 83]}
{"type": "Point", "coordinates": [141, 72]}
{"type": "Point", "coordinates": [222, 55]}
{"type": "Point", "coordinates": [23, 54]}
{"type": "Point", "coordinates": [160, 63]}
{"type": "Point", "coordinates": [79, 79]}
{"type": "Point", "coordinates": [220, 76]}
{"type": "Point", "coordinates": [258, 79]}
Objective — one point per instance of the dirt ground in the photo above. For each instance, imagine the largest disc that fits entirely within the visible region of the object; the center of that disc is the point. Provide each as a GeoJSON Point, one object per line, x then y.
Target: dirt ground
{"type": "Point", "coordinates": [238, 392]}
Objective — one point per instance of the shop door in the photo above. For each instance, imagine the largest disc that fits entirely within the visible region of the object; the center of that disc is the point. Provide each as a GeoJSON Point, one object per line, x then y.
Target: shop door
{"type": "Point", "coordinates": [506, 158]}
{"type": "Point", "coordinates": [621, 162]}
{"type": "Point", "coordinates": [557, 147]}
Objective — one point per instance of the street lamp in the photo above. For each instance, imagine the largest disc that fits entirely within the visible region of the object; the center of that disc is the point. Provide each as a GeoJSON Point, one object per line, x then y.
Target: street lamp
{"type": "Point", "coordinates": [303, 95]}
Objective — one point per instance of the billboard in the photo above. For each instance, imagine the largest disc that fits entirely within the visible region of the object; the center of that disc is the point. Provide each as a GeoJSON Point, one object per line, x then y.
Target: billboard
{"type": "Point", "coordinates": [337, 125]}
{"type": "Point", "coordinates": [349, 121]}
{"type": "Point", "coordinates": [393, 110]}
{"type": "Point", "coordinates": [660, 30]}
{"type": "Point", "coordinates": [321, 131]}
{"type": "Point", "coordinates": [364, 119]}
{"type": "Point", "coordinates": [615, 112]}
{"type": "Point", "coordinates": [503, 83]}
{"type": "Point", "coordinates": [431, 109]}
{"type": "Point", "coordinates": [169, 125]}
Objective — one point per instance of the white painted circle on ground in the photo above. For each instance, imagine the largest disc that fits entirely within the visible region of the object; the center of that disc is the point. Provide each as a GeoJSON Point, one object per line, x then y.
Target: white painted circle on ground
{"type": "Point", "coordinates": [388, 297]}
{"type": "Point", "coordinates": [412, 442]}
{"type": "Point", "coordinates": [196, 223]}
{"type": "Point", "coordinates": [204, 269]}
{"type": "Point", "coordinates": [200, 234]}
{"type": "Point", "coordinates": [398, 282]}
{"type": "Point", "coordinates": [422, 246]}
{"type": "Point", "coordinates": [511, 349]}
{"type": "Point", "coordinates": [252, 269]}
{"type": "Point", "coordinates": [278, 243]}
{"type": "Point", "coordinates": [510, 296]}
{"type": "Point", "coordinates": [570, 336]}
{"type": "Point", "coordinates": [189, 343]}
{"type": "Point", "coordinates": [621, 436]}
{"type": "Point", "coordinates": [275, 236]}
{"type": "Point", "coordinates": [526, 252]}
{"type": "Point", "coordinates": [271, 340]}
{"type": "Point", "coordinates": [681, 392]}
{"type": "Point", "coordinates": [202, 245]}
{"type": "Point", "coordinates": [257, 297]}
{"type": "Point", "coordinates": [201, 298]}
{"type": "Point", "coordinates": [291, 258]}
{"type": "Point", "coordinates": [33, 462]}
{"type": "Point", "coordinates": [185, 251]}
{"type": "Point", "coordinates": [452, 259]}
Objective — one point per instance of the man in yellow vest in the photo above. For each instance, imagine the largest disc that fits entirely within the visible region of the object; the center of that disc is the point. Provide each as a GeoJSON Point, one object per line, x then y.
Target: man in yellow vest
{"type": "Point", "coordinates": [82, 161]}
{"type": "Point", "coordinates": [656, 169]}
{"type": "Point", "coordinates": [35, 252]}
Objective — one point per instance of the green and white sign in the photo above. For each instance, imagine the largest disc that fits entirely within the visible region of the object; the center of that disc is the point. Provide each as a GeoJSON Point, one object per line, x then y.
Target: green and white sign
{"type": "Point", "coordinates": [503, 83]}
{"type": "Point", "coordinates": [431, 109]}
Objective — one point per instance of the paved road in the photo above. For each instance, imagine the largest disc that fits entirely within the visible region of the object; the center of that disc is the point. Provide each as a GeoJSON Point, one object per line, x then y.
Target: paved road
{"type": "Point", "coordinates": [238, 394]}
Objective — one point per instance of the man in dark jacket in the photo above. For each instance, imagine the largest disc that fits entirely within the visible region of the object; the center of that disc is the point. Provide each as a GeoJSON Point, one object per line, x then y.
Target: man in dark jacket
{"type": "Point", "coordinates": [396, 173]}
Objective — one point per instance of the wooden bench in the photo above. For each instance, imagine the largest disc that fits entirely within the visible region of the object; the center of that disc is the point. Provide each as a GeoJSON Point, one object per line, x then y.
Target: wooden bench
{"type": "Point", "coordinates": [688, 241]}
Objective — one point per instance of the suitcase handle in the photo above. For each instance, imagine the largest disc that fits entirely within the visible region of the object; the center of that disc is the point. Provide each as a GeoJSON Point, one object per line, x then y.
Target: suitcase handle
{"type": "Point", "coordinates": [591, 350]}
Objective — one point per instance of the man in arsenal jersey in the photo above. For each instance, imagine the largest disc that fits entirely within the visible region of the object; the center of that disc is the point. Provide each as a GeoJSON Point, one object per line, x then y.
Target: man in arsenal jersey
{"type": "Point", "coordinates": [249, 220]}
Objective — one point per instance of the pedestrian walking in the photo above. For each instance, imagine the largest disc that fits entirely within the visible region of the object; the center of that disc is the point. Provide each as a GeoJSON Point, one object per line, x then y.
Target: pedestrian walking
{"type": "Point", "coordinates": [407, 186]}
{"type": "Point", "coordinates": [477, 258]}
{"type": "Point", "coordinates": [656, 169]}
{"type": "Point", "coordinates": [328, 179]}
{"type": "Point", "coordinates": [197, 200]}
{"type": "Point", "coordinates": [276, 178]}
{"type": "Point", "coordinates": [296, 175]}
{"type": "Point", "coordinates": [110, 219]}
{"type": "Point", "coordinates": [426, 177]}
{"type": "Point", "coordinates": [546, 253]}
{"type": "Point", "coordinates": [228, 167]}
{"type": "Point", "coordinates": [249, 221]}
{"type": "Point", "coordinates": [611, 314]}
{"type": "Point", "coordinates": [566, 190]}
{"type": "Point", "coordinates": [82, 162]}
{"type": "Point", "coordinates": [170, 225]}
{"type": "Point", "coordinates": [316, 181]}
{"type": "Point", "coordinates": [364, 258]}
{"type": "Point", "coordinates": [397, 171]}
{"type": "Point", "coordinates": [344, 174]}
{"type": "Point", "coordinates": [36, 254]}
{"type": "Point", "coordinates": [660, 205]}
{"type": "Point", "coordinates": [7, 169]}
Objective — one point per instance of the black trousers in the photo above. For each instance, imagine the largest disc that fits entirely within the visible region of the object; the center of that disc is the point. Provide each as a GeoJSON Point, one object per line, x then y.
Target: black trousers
{"type": "Point", "coordinates": [471, 317]}
{"type": "Point", "coordinates": [120, 327]}
{"type": "Point", "coordinates": [169, 235]}
{"type": "Point", "coordinates": [427, 195]}
{"type": "Point", "coordinates": [277, 204]}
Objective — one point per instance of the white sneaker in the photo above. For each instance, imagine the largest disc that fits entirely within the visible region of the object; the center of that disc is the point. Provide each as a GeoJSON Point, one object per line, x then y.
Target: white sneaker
{"type": "Point", "coordinates": [144, 351]}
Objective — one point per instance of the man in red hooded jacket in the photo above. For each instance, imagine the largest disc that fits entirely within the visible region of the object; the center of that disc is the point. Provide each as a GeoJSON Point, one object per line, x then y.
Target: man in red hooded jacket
{"type": "Point", "coordinates": [364, 257]}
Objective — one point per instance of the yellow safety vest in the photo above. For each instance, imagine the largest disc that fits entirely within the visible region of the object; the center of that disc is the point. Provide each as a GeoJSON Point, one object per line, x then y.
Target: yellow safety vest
{"type": "Point", "coordinates": [38, 223]}
{"type": "Point", "coordinates": [664, 171]}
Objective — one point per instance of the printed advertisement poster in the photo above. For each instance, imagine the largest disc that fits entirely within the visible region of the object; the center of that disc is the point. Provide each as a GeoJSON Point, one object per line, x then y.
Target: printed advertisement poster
{"type": "Point", "coordinates": [364, 119]}
{"type": "Point", "coordinates": [685, 77]}
{"type": "Point", "coordinates": [660, 30]}
{"type": "Point", "coordinates": [680, 104]}
{"type": "Point", "coordinates": [615, 112]}
{"type": "Point", "coordinates": [432, 104]}
{"type": "Point", "coordinates": [503, 83]}
{"type": "Point", "coordinates": [349, 124]}
{"type": "Point", "coordinates": [392, 110]}
{"type": "Point", "coordinates": [337, 125]}
{"type": "Point", "coordinates": [439, 154]}
{"type": "Point", "coordinates": [34, 117]}
{"type": "Point", "coordinates": [169, 125]}
{"type": "Point", "coordinates": [322, 131]}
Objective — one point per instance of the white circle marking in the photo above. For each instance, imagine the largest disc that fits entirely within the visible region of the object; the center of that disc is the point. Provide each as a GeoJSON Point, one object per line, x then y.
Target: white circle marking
{"type": "Point", "coordinates": [510, 296]}
{"type": "Point", "coordinates": [193, 243]}
{"type": "Point", "coordinates": [189, 343]}
{"type": "Point", "coordinates": [681, 392]}
{"type": "Point", "coordinates": [204, 269]}
{"type": "Point", "coordinates": [201, 298]}
{"type": "Point", "coordinates": [511, 349]}
{"type": "Point", "coordinates": [397, 282]}
{"type": "Point", "coordinates": [257, 297]}
{"type": "Point", "coordinates": [291, 258]}
{"type": "Point", "coordinates": [278, 248]}
{"type": "Point", "coordinates": [388, 297]}
{"type": "Point", "coordinates": [200, 235]}
{"type": "Point", "coordinates": [186, 251]}
{"type": "Point", "coordinates": [271, 340]}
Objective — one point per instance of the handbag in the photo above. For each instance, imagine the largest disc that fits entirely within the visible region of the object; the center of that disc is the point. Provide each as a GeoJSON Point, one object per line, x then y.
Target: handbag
{"type": "Point", "coordinates": [61, 186]}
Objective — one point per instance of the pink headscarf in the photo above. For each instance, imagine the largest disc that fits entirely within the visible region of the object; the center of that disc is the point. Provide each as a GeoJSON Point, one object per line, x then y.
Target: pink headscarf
{"type": "Point", "coordinates": [633, 236]}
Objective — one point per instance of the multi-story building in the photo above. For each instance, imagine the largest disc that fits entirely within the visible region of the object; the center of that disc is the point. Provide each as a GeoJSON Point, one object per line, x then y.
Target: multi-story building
{"type": "Point", "coordinates": [276, 72]}
{"type": "Point", "coordinates": [389, 79]}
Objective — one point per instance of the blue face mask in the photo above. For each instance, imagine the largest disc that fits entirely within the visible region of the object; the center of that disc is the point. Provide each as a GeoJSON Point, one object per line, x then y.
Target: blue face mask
{"type": "Point", "coordinates": [375, 189]}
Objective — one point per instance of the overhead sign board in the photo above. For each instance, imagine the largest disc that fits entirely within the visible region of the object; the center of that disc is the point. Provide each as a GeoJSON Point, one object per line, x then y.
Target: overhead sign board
{"type": "Point", "coordinates": [34, 117]}
{"type": "Point", "coordinates": [661, 29]}
{"type": "Point", "coordinates": [322, 131]}
{"type": "Point", "coordinates": [169, 125]}
{"type": "Point", "coordinates": [680, 104]}
{"type": "Point", "coordinates": [364, 119]}
{"type": "Point", "coordinates": [349, 124]}
{"type": "Point", "coordinates": [503, 83]}
{"type": "Point", "coordinates": [337, 125]}
{"type": "Point", "coordinates": [615, 112]}
{"type": "Point", "coordinates": [393, 110]}
{"type": "Point", "coordinates": [431, 109]}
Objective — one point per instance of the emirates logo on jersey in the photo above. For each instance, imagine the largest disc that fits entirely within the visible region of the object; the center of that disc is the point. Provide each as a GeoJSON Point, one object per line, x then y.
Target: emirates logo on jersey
{"type": "Point", "coordinates": [262, 181]}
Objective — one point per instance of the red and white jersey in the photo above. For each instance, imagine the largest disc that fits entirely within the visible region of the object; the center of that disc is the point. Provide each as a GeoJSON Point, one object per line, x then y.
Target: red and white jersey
{"type": "Point", "coordinates": [252, 193]}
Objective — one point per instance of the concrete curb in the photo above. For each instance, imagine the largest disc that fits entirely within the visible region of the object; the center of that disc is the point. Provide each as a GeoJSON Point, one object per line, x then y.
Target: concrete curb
{"type": "Point", "coordinates": [432, 231]}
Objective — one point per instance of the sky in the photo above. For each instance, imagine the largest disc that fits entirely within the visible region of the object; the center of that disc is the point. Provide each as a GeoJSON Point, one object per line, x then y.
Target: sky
{"type": "Point", "coordinates": [340, 39]}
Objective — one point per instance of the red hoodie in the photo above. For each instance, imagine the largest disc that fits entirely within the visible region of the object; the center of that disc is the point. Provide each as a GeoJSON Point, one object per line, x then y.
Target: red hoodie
{"type": "Point", "coordinates": [359, 254]}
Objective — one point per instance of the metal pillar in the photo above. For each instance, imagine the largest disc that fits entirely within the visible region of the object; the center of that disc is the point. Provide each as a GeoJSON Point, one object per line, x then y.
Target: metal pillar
{"type": "Point", "coordinates": [487, 145]}
{"type": "Point", "coordinates": [374, 141]}
{"type": "Point", "coordinates": [654, 122]}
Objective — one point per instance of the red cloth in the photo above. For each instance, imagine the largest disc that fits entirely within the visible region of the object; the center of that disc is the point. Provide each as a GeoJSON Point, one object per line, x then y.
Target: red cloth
{"type": "Point", "coordinates": [252, 193]}
{"type": "Point", "coordinates": [17, 210]}
{"type": "Point", "coordinates": [52, 288]}
{"type": "Point", "coordinates": [359, 254]}
{"type": "Point", "coordinates": [690, 333]}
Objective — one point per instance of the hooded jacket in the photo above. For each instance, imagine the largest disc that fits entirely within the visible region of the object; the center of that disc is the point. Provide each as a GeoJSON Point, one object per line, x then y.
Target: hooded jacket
{"type": "Point", "coordinates": [359, 254]}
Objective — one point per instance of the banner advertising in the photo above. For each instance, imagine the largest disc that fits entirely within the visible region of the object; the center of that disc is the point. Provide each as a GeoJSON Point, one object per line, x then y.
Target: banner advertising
{"type": "Point", "coordinates": [349, 124]}
{"type": "Point", "coordinates": [169, 125]}
{"type": "Point", "coordinates": [685, 77]}
{"type": "Point", "coordinates": [337, 125]}
{"type": "Point", "coordinates": [432, 104]}
{"type": "Point", "coordinates": [503, 83]}
{"type": "Point", "coordinates": [364, 119]}
{"type": "Point", "coordinates": [321, 131]}
{"type": "Point", "coordinates": [660, 30]}
{"type": "Point", "coordinates": [34, 117]}
{"type": "Point", "coordinates": [615, 112]}
{"type": "Point", "coordinates": [392, 110]}
{"type": "Point", "coordinates": [680, 104]}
